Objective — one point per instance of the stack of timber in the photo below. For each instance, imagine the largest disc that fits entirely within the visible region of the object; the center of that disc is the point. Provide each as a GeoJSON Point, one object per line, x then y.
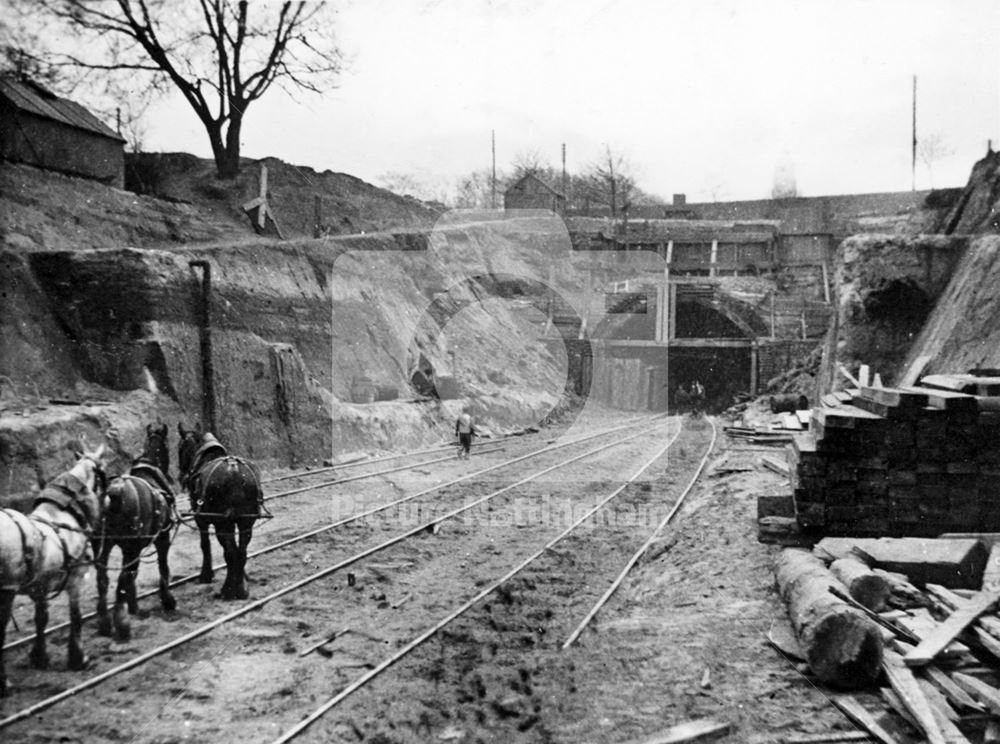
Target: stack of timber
{"type": "Point", "coordinates": [909, 627]}
{"type": "Point", "coordinates": [901, 461]}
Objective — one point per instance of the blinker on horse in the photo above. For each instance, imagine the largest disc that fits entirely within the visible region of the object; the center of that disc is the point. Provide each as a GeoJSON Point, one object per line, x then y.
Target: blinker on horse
{"type": "Point", "coordinates": [138, 510]}
{"type": "Point", "coordinates": [50, 550]}
{"type": "Point", "coordinates": [225, 494]}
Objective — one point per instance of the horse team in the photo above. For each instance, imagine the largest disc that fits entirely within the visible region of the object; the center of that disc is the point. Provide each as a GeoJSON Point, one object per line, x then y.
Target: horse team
{"type": "Point", "coordinates": [78, 518]}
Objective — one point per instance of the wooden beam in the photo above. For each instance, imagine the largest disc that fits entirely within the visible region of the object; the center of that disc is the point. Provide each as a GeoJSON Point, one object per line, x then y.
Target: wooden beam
{"type": "Point", "coordinates": [853, 709]}
{"type": "Point", "coordinates": [904, 684]}
{"type": "Point", "coordinates": [991, 574]}
{"type": "Point", "coordinates": [697, 730]}
{"type": "Point", "coordinates": [986, 694]}
{"type": "Point", "coordinates": [945, 633]}
{"type": "Point", "coordinates": [951, 689]}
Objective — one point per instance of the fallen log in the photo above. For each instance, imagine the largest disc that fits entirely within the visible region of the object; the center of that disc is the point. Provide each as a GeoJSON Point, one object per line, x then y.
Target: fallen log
{"type": "Point", "coordinates": [842, 647]}
{"type": "Point", "coordinates": [864, 585]}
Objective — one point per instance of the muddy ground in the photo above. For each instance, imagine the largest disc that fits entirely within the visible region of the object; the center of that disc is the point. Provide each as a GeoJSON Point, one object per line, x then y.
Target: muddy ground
{"type": "Point", "coordinates": [684, 638]}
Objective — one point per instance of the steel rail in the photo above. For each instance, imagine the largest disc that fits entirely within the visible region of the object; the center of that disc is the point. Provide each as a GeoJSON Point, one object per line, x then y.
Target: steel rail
{"type": "Point", "coordinates": [362, 476]}
{"type": "Point", "coordinates": [385, 458]}
{"type": "Point", "coordinates": [347, 520]}
{"type": "Point", "coordinates": [430, 632]}
{"type": "Point", "coordinates": [571, 639]}
{"type": "Point", "coordinates": [257, 604]}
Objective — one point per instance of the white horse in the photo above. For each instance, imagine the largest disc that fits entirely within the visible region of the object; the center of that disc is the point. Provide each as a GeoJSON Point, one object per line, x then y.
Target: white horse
{"type": "Point", "coordinates": [49, 550]}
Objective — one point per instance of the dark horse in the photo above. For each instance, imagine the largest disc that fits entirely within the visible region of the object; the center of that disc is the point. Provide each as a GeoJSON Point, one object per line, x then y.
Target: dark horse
{"type": "Point", "coordinates": [138, 510]}
{"type": "Point", "coordinates": [226, 494]}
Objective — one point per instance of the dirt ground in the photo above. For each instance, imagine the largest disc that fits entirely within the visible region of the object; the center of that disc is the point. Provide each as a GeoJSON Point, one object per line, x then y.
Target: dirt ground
{"type": "Point", "coordinates": [684, 638]}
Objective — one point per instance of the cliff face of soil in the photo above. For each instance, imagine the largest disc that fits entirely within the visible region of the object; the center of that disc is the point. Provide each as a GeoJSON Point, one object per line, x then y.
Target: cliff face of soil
{"type": "Point", "coordinates": [885, 288]}
{"type": "Point", "coordinates": [978, 208]}
{"type": "Point", "coordinates": [43, 210]}
{"type": "Point", "coordinates": [962, 333]}
{"type": "Point", "coordinates": [346, 204]}
{"type": "Point", "coordinates": [294, 326]}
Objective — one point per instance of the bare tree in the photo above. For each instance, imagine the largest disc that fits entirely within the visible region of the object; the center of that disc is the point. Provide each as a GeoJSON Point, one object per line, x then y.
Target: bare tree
{"type": "Point", "coordinates": [931, 149]}
{"type": "Point", "coordinates": [216, 53]}
{"type": "Point", "coordinates": [423, 186]}
{"type": "Point", "coordinates": [530, 162]}
{"type": "Point", "coordinates": [609, 182]}
{"type": "Point", "coordinates": [475, 190]}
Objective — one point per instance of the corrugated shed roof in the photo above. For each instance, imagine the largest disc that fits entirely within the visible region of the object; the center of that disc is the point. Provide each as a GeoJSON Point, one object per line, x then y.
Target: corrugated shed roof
{"type": "Point", "coordinates": [35, 99]}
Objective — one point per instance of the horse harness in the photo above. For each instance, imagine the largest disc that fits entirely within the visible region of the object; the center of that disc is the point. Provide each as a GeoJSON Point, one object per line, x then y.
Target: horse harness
{"type": "Point", "coordinates": [203, 471]}
{"type": "Point", "coordinates": [62, 491]}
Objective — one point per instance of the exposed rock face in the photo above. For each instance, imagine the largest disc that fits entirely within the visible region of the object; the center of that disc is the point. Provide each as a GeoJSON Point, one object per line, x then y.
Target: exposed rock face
{"type": "Point", "coordinates": [962, 333]}
{"type": "Point", "coordinates": [885, 289]}
{"type": "Point", "coordinates": [978, 208]}
{"type": "Point", "coordinates": [294, 325]}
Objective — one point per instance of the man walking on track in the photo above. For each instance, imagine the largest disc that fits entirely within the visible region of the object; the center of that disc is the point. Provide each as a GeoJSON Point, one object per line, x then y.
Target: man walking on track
{"type": "Point", "coordinates": [465, 431]}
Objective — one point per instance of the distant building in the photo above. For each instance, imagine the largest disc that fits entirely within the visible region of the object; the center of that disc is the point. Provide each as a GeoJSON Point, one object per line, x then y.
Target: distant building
{"type": "Point", "coordinates": [531, 192]}
{"type": "Point", "coordinates": [40, 128]}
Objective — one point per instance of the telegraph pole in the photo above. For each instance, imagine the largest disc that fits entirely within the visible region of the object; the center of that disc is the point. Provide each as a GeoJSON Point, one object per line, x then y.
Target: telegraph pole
{"type": "Point", "coordinates": [913, 172]}
{"type": "Point", "coordinates": [493, 178]}
{"type": "Point", "coordinates": [564, 187]}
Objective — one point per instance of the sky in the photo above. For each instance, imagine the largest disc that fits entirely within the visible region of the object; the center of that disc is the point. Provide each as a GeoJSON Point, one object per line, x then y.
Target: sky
{"type": "Point", "coordinates": [703, 97]}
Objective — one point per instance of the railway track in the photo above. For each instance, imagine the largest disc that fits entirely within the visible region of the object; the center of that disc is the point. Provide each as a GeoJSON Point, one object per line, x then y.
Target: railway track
{"type": "Point", "coordinates": [545, 553]}
{"type": "Point", "coordinates": [340, 565]}
{"type": "Point", "coordinates": [220, 565]}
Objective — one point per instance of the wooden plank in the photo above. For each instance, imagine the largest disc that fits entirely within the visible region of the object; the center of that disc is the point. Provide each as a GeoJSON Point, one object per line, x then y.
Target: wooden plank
{"type": "Point", "coordinates": [951, 690]}
{"type": "Point", "coordinates": [922, 625]}
{"type": "Point", "coordinates": [858, 713]}
{"type": "Point", "coordinates": [832, 737]}
{"type": "Point", "coordinates": [952, 601]}
{"type": "Point", "coordinates": [790, 421]}
{"type": "Point", "coordinates": [847, 375]}
{"type": "Point", "coordinates": [986, 694]}
{"type": "Point", "coordinates": [904, 684]}
{"type": "Point", "coordinates": [943, 713]}
{"type": "Point", "coordinates": [916, 368]}
{"type": "Point", "coordinates": [955, 563]}
{"type": "Point", "coordinates": [991, 574]}
{"type": "Point", "coordinates": [945, 633]}
{"type": "Point", "coordinates": [804, 418]}
{"type": "Point", "coordinates": [774, 464]}
{"type": "Point", "coordinates": [895, 397]}
{"type": "Point", "coordinates": [937, 699]}
{"type": "Point", "coordinates": [946, 400]}
{"type": "Point", "coordinates": [697, 730]}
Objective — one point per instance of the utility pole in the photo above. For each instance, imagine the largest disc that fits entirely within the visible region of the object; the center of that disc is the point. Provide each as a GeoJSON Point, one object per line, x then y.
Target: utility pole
{"type": "Point", "coordinates": [564, 187]}
{"type": "Point", "coordinates": [913, 173]}
{"type": "Point", "coordinates": [493, 178]}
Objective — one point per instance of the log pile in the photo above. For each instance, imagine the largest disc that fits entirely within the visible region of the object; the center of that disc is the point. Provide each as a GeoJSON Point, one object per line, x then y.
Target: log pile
{"type": "Point", "coordinates": [923, 662]}
{"type": "Point", "coordinates": [901, 461]}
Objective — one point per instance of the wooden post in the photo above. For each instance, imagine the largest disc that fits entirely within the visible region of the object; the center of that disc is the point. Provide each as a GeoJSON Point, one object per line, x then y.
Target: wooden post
{"type": "Point", "coordinates": [772, 314]}
{"type": "Point", "coordinates": [205, 332]}
{"type": "Point", "coordinates": [317, 216]}
{"type": "Point", "coordinates": [712, 271]}
{"type": "Point", "coordinates": [753, 367]}
{"type": "Point", "coordinates": [262, 214]}
{"type": "Point", "coordinates": [826, 282]}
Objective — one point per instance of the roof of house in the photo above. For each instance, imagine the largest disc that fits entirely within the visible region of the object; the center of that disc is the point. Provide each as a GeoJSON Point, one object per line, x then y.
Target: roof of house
{"type": "Point", "coordinates": [533, 177]}
{"type": "Point", "coordinates": [35, 99]}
